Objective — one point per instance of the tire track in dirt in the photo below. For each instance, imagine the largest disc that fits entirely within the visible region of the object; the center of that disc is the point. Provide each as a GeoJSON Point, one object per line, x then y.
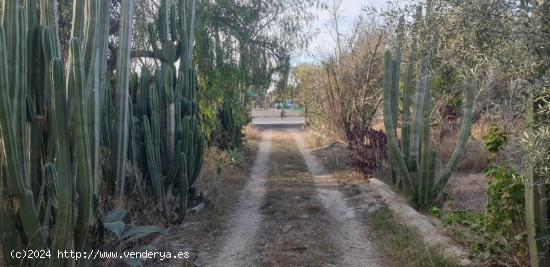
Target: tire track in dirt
{"type": "Point", "coordinates": [346, 232]}
{"type": "Point", "coordinates": [238, 243]}
{"type": "Point", "coordinates": [294, 229]}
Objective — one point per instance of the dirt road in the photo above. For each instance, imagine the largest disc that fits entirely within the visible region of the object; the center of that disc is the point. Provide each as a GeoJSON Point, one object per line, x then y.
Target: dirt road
{"type": "Point", "coordinates": [291, 213]}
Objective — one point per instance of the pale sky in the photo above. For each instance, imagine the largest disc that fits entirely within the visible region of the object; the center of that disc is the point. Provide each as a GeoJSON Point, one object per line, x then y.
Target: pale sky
{"type": "Point", "coordinates": [323, 40]}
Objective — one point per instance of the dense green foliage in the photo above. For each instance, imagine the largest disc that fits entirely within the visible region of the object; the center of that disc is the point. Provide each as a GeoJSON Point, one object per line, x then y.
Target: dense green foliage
{"type": "Point", "coordinates": [232, 118]}
{"type": "Point", "coordinates": [240, 47]}
{"type": "Point", "coordinates": [495, 139]}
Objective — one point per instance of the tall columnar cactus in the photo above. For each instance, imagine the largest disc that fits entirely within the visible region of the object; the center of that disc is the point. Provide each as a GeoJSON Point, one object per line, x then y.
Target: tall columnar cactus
{"type": "Point", "coordinates": [122, 100]}
{"type": "Point", "coordinates": [414, 160]}
{"type": "Point", "coordinates": [49, 116]}
{"type": "Point", "coordinates": [168, 110]}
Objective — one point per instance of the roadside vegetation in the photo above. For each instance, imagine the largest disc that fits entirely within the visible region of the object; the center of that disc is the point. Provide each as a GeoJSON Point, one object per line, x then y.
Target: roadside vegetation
{"type": "Point", "coordinates": [125, 124]}
{"type": "Point", "coordinates": [448, 115]}
{"type": "Point", "coordinates": [120, 119]}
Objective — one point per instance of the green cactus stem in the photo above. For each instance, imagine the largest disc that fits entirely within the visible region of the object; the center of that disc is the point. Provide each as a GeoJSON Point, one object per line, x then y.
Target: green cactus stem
{"type": "Point", "coordinates": [414, 160]}
{"type": "Point", "coordinates": [122, 100]}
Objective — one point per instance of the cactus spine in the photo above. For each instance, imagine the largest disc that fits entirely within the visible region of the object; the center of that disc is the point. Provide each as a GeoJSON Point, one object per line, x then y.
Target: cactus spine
{"type": "Point", "coordinates": [414, 160]}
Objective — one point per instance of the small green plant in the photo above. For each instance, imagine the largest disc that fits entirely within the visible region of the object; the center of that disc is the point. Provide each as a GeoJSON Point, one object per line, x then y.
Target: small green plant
{"type": "Point", "coordinates": [495, 139]}
{"type": "Point", "coordinates": [435, 211]}
{"type": "Point", "coordinates": [236, 156]}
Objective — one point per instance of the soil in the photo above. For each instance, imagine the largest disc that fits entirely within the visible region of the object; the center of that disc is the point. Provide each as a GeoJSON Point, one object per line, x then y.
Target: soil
{"type": "Point", "coordinates": [290, 213]}
{"type": "Point", "coordinates": [291, 210]}
{"type": "Point", "coordinates": [295, 230]}
{"type": "Point", "coordinates": [240, 235]}
{"type": "Point", "coordinates": [347, 232]}
{"type": "Point", "coordinates": [201, 230]}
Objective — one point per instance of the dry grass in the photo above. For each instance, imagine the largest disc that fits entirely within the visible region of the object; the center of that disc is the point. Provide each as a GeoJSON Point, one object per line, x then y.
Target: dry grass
{"type": "Point", "coordinates": [402, 246]}
{"type": "Point", "coordinates": [316, 139]}
{"type": "Point", "coordinates": [474, 159]}
{"type": "Point", "coordinates": [253, 133]}
{"type": "Point", "coordinates": [466, 191]}
{"type": "Point", "coordinates": [221, 178]}
{"type": "Point", "coordinates": [512, 126]}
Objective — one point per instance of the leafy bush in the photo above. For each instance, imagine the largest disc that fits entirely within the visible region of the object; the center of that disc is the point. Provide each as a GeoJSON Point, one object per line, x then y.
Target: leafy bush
{"type": "Point", "coordinates": [498, 235]}
{"type": "Point", "coordinates": [495, 139]}
{"type": "Point", "coordinates": [233, 118]}
{"type": "Point", "coordinates": [505, 201]}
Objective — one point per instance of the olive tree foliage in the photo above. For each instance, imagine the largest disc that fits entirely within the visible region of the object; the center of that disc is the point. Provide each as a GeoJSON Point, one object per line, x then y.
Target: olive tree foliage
{"type": "Point", "coordinates": [488, 40]}
{"type": "Point", "coordinates": [254, 38]}
{"type": "Point", "coordinates": [536, 138]}
{"type": "Point", "coordinates": [241, 46]}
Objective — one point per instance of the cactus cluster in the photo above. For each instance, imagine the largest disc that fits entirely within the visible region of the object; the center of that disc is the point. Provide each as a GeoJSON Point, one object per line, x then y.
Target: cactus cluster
{"type": "Point", "coordinates": [50, 124]}
{"type": "Point", "coordinates": [165, 114]}
{"type": "Point", "coordinates": [413, 159]}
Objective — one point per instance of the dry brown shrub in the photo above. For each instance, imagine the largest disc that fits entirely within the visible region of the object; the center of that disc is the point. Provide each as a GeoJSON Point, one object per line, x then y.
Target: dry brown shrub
{"type": "Point", "coordinates": [253, 133]}
{"type": "Point", "coordinates": [209, 179]}
{"type": "Point", "coordinates": [474, 159]}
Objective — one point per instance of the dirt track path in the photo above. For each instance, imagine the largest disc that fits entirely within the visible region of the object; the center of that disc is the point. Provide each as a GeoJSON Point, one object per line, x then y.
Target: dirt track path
{"type": "Point", "coordinates": [241, 233]}
{"type": "Point", "coordinates": [291, 213]}
{"type": "Point", "coordinates": [347, 231]}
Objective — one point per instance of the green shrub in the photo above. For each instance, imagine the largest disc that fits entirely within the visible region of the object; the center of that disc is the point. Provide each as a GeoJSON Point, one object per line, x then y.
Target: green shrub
{"type": "Point", "coordinates": [233, 117]}
{"type": "Point", "coordinates": [505, 201]}
{"type": "Point", "coordinates": [497, 236]}
{"type": "Point", "coordinates": [495, 139]}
